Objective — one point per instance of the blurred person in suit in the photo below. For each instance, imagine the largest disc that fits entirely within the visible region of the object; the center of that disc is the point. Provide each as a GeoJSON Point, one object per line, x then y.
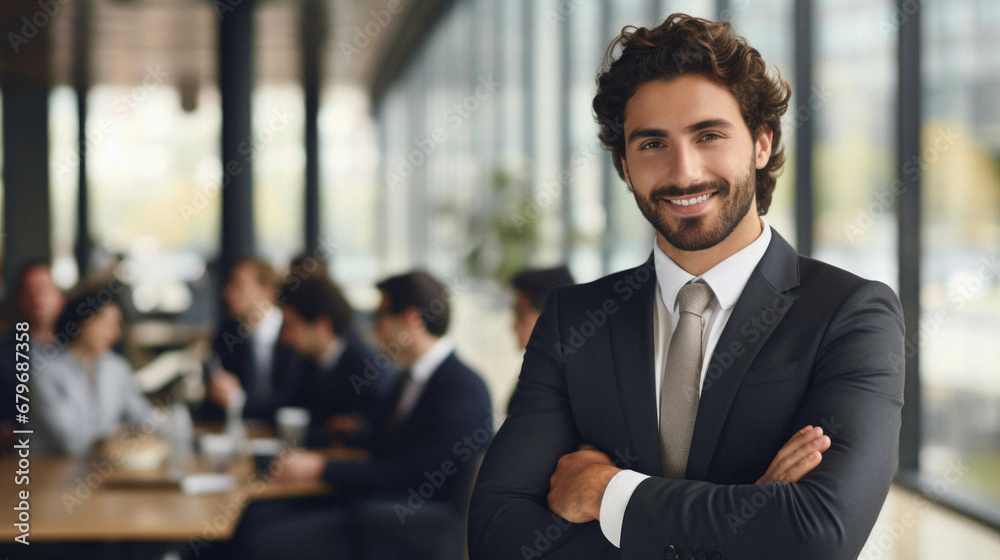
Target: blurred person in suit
{"type": "Point", "coordinates": [440, 423]}
{"type": "Point", "coordinates": [250, 368]}
{"type": "Point", "coordinates": [346, 386]}
{"type": "Point", "coordinates": [531, 287]}
{"type": "Point", "coordinates": [85, 391]}
{"type": "Point", "coordinates": [37, 301]}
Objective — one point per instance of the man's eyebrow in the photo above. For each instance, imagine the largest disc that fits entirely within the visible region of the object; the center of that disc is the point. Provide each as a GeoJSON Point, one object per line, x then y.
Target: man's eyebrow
{"type": "Point", "coordinates": [660, 133]}
{"type": "Point", "coordinates": [709, 123]}
{"type": "Point", "coordinates": [646, 133]}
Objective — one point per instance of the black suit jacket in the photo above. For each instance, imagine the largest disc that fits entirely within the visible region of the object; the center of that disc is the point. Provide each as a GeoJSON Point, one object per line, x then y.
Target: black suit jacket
{"type": "Point", "coordinates": [432, 452]}
{"type": "Point", "coordinates": [807, 343]}
{"type": "Point", "coordinates": [361, 382]}
{"type": "Point", "coordinates": [236, 354]}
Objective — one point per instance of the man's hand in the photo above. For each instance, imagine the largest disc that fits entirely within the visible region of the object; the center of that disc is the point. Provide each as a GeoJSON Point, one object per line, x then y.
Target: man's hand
{"type": "Point", "coordinates": [798, 457]}
{"type": "Point", "coordinates": [347, 425]}
{"type": "Point", "coordinates": [300, 466]}
{"type": "Point", "coordinates": [577, 487]}
{"type": "Point", "coordinates": [223, 387]}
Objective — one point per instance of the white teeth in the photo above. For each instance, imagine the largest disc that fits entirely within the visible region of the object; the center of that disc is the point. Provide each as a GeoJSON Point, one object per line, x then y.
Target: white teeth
{"type": "Point", "coordinates": [690, 201]}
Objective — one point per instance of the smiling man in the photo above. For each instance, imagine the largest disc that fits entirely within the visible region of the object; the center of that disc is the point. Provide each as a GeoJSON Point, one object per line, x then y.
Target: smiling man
{"type": "Point", "coordinates": [729, 398]}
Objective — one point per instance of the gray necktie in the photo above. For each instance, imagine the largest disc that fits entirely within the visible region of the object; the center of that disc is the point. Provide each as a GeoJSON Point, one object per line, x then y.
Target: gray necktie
{"type": "Point", "coordinates": [679, 388]}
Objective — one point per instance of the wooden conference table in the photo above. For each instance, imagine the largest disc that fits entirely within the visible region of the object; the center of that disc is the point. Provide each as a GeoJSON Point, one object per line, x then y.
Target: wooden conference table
{"type": "Point", "coordinates": [76, 501]}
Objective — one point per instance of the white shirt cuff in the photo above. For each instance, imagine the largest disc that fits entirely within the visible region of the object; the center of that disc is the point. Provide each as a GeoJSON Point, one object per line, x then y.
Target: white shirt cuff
{"type": "Point", "coordinates": [616, 497]}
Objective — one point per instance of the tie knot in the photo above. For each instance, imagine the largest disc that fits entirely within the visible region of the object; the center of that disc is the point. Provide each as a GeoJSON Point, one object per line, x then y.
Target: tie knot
{"type": "Point", "coordinates": [694, 298]}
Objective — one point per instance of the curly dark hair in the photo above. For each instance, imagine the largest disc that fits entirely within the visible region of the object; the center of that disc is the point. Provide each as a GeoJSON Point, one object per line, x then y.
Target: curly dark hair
{"type": "Point", "coordinates": [684, 45]}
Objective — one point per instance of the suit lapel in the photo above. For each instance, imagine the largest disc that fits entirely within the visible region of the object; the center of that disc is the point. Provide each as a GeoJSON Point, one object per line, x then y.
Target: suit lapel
{"type": "Point", "coordinates": [632, 349]}
{"type": "Point", "coordinates": [761, 307]}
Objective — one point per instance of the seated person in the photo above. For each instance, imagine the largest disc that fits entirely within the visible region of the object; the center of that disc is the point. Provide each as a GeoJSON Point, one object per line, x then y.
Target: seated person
{"type": "Point", "coordinates": [37, 301]}
{"type": "Point", "coordinates": [250, 369]}
{"type": "Point", "coordinates": [531, 287]}
{"type": "Point", "coordinates": [441, 421]}
{"type": "Point", "coordinates": [85, 391]}
{"type": "Point", "coordinates": [346, 385]}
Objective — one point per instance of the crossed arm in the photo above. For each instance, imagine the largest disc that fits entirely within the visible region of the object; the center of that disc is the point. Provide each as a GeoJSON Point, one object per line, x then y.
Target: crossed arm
{"type": "Point", "coordinates": [577, 487]}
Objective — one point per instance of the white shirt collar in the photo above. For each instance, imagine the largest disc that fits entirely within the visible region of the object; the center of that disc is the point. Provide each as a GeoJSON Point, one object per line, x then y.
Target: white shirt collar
{"type": "Point", "coordinates": [269, 326]}
{"type": "Point", "coordinates": [332, 355]}
{"type": "Point", "coordinates": [727, 279]}
{"type": "Point", "coordinates": [431, 360]}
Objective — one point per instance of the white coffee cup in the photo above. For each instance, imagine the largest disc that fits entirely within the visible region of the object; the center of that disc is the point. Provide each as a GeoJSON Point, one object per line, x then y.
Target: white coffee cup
{"type": "Point", "coordinates": [218, 450]}
{"type": "Point", "coordinates": [293, 425]}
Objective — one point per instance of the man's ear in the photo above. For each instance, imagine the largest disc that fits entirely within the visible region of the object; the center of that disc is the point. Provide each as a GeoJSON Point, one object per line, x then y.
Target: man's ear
{"type": "Point", "coordinates": [325, 324]}
{"type": "Point", "coordinates": [628, 178]}
{"type": "Point", "coordinates": [762, 148]}
{"type": "Point", "coordinates": [411, 316]}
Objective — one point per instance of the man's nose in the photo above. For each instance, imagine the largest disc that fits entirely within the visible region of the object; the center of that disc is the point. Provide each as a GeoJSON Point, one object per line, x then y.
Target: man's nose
{"type": "Point", "coordinates": [686, 167]}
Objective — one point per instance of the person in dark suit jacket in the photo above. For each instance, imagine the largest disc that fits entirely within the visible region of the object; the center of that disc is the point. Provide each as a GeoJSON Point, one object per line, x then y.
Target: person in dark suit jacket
{"type": "Point", "coordinates": [346, 386]}
{"type": "Point", "coordinates": [440, 423]}
{"type": "Point", "coordinates": [796, 415]}
{"type": "Point", "coordinates": [249, 364]}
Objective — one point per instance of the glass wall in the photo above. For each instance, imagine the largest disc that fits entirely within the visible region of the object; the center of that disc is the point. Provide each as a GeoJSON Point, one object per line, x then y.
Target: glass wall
{"type": "Point", "coordinates": [854, 168]}
{"type": "Point", "coordinates": [960, 296]}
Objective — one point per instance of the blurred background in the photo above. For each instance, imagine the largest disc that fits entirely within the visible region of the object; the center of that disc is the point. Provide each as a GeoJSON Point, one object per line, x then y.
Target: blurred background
{"type": "Point", "coordinates": [163, 140]}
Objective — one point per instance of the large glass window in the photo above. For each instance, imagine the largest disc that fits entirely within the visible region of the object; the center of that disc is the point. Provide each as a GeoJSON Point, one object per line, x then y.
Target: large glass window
{"type": "Point", "coordinates": [547, 188]}
{"type": "Point", "coordinates": [153, 166]}
{"type": "Point", "coordinates": [960, 296]}
{"type": "Point", "coordinates": [854, 100]}
{"type": "Point", "coordinates": [588, 223]}
{"type": "Point", "coordinates": [279, 157]}
{"type": "Point", "coordinates": [64, 158]}
{"type": "Point", "coordinates": [348, 183]}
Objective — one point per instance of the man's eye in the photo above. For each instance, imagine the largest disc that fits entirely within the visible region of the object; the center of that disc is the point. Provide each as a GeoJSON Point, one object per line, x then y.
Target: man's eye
{"type": "Point", "coordinates": [652, 144]}
{"type": "Point", "coordinates": [710, 136]}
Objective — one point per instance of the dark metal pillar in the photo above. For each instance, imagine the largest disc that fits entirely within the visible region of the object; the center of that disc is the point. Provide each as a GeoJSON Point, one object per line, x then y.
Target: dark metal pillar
{"type": "Point", "coordinates": [564, 30]}
{"type": "Point", "coordinates": [803, 122]}
{"type": "Point", "coordinates": [236, 47]}
{"type": "Point", "coordinates": [528, 92]}
{"type": "Point", "coordinates": [24, 79]}
{"type": "Point", "coordinates": [313, 34]}
{"type": "Point", "coordinates": [609, 240]}
{"type": "Point", "coordinates": [909, 122]}
{"type": "Point", "coordinates": [81, 83]}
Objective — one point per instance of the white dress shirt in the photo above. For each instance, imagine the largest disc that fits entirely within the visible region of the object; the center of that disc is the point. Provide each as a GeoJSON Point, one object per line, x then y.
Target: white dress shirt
{"type": "Point", "coordinates": [727, 280]}
{"type": "Point", "coordinates": [263, 339]}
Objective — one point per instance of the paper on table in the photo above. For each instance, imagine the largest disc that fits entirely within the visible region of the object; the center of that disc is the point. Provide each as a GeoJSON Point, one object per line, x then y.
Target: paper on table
{"type": "Point", "coordinates": [208, 483]}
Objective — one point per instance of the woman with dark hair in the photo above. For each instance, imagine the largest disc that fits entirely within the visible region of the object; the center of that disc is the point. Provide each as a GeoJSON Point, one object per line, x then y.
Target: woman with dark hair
{"type": "Point", "coordinates": [86, 390]}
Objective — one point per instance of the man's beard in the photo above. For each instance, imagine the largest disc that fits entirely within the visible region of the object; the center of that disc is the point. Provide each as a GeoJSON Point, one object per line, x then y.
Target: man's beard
{"type": "Point", "coordinates": [692, 233]}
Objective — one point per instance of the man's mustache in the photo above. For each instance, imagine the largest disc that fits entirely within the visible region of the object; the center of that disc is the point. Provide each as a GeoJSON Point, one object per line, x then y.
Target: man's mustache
{"type": "Point", "coordinates": [673, 191]}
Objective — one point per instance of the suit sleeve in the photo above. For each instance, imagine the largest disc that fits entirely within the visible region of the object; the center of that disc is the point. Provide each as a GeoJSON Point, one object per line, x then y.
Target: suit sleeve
{"type": "Point", "coordinates": [855, 391]}
{"type": "Point", "coordinates": [509, 516]}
